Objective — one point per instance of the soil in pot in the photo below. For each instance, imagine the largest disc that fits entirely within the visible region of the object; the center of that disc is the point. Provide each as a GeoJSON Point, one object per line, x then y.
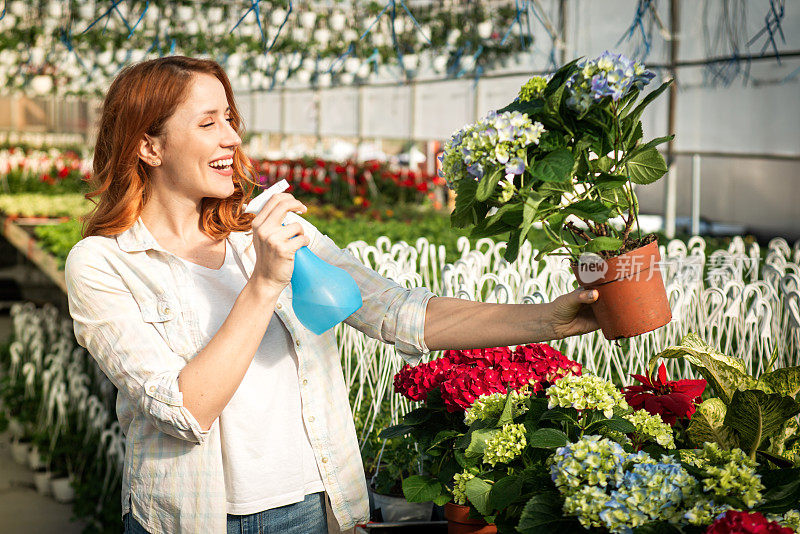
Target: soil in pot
{"type": "Point", "coordinates": [459, 522]}
{"type": "Point", "coordinates": [632, 297]}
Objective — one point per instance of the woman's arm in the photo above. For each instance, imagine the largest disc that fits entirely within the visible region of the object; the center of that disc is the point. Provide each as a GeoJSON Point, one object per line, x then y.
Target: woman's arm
{"type": "Point", "coordinates": [452, 323]}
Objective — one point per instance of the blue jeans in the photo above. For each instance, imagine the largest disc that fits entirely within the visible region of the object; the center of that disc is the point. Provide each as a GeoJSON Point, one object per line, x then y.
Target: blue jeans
{"type": "Point", "coordinates": [132, 526]}
{"type": "Point", "coordinates": [305, 517]}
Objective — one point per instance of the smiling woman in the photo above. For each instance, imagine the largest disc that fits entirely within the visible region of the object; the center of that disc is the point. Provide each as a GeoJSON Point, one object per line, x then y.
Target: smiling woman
{"type": "Point", "coordinates": [236, 417]}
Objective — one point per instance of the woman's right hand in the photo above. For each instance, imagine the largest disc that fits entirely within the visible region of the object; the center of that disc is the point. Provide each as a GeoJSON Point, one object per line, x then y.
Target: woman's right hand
{"type": "Point", "coordinates": [275, 244]}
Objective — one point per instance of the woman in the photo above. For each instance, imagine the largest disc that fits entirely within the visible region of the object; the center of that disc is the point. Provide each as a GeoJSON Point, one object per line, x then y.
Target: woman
{"type": "Point", "coordinates": [236, 417]}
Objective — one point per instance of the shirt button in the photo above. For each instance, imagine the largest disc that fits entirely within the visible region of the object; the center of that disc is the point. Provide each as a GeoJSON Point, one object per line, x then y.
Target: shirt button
{"type": "Point", "coordinates": [305, 382]}
{"type": "Point", "coordinates": [311, 419]}
{"type": "Point", "coordinates": [152, 388]}
{"type": "Point", "coordinates": [166, 311]}
{"type": "Point", "coordinates": [324, 459]}
{"type": "Point", "coordinates": [297, 342]}
{"type": "Point", "coordinates": [279, 306]}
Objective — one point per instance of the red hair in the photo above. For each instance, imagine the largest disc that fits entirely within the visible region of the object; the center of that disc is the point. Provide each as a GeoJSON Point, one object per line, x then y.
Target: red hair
{"type": "Point", "coordinates": [140, 100]}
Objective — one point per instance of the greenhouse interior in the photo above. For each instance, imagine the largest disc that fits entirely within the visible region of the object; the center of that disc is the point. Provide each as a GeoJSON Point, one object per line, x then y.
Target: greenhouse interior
{"type": "Point", "coordinates": [400, 266]}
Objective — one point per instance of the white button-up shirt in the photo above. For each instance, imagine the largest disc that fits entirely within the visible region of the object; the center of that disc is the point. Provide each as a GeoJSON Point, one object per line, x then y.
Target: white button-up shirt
{"type": "Point", "coordinates": [134, 310]}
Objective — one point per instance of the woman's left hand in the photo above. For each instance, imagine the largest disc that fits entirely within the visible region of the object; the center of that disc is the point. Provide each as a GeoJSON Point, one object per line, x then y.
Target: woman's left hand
{"type": "Point", "coordinates": [572, 315]}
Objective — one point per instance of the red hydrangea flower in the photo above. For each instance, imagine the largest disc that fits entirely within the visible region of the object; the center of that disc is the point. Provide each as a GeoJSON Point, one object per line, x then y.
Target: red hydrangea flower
{"type": "Point", "coordinates": [465, 375]}
{"type": "Point", "coordinates": [671, 399]}
{"type": "Point", "coordinates": [734, 522]}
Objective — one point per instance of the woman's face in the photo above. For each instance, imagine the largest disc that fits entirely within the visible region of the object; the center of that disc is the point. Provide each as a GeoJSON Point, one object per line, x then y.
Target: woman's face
{"type": "Point", "coordinates": [198, 143]}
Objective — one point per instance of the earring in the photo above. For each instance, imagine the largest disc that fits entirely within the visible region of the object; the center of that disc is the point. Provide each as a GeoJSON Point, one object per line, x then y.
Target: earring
{"type": "Point", "coordinates": [156, 162]}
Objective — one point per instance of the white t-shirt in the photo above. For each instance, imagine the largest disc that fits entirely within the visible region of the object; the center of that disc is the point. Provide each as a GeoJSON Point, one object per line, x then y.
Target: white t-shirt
{"type": "Point", "coordinates": [266, 454]}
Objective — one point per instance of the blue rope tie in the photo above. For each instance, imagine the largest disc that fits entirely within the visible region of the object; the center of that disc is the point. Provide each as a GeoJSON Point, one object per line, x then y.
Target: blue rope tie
{"type": "Point", "coordinates": [104, 15]}
{"type": "Point", "coordinates": [146, 5]}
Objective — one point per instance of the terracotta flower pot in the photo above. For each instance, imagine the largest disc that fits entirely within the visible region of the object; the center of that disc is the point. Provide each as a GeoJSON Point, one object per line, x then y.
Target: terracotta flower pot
{"type": "Point", "coordinates": [632, 297]}
{"type": "Point", "coordinates": [459, 522]}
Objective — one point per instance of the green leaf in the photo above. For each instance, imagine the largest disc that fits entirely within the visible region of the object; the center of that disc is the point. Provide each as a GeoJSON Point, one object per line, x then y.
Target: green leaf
{"type": "Point", "coordinates": [417, 416]}
{"type": "Point", "coordinates": [646, 167]}
{"type": "Point", "coordinates": [603, 164]}
{"type": "Point", "coordinates": [547, 438]}
{"type": "Point", "coordinates": [537, 407]}
{"type": "Point", "coordinates": [477, 442]}
{"type": "Point", "coordinates": [589, 209]}
{"type": "Point", "coordinates": [726, 374]}
{"type": "Point", "coordinates": [636, 114]}
{"type": "Point", "coordinates": [634, 134]}
{"type": "Point", "coordinates": [502, 211]}
{"type": "Point", "coordinates": [783, 490]}
{"type": "Point", "coordinates": [542, 513]}
{"type": "Point", "coordinates": [512, 245]}
{"type": "Point", "coordinates": [569, 415]}
{"type": "Point", "coordinates": [505, 491]}
{"type": "Point", "coordinates": [785, 381]}
{"type": "Point", "coordinates": [546, 249]}
{"type": "Point", "coordinates": [650, 144]}
{"type": "Point", "coordinates": [616, 423]}
{"type": "Point", "coordinates": [477, 491]}
{"type": "Point", "coordinates": [441, 436]}
{"type": "Point", "coordinates": [560, 77]}
{"type": "Point", "coordinates": [550, 141]}
{"type": "Point", "coordinates": [463, 213]}
{"type": "Point", "coordinates": [488, 184]}
{"type": "Point", "coordinates": [757, 416]}
{"type": "Point", "coordinates": [603, 243]}
{"type": "Point", "coordinates": [554, 167]}
{"type": "Point", "coordinates": [481, 230]}
{"type": "Point", "coordinates": [508, 411]}
{"type": "Point", "coordinates": [707, 425]}
{"type": "Point", "coordinates": [395, 431]}
{"type": "Point", "coordinates": [605, 181]}
{"type": "Point", "coordinates": [422, 488]}
{"type": "Point", "coordinates": [443, 499]}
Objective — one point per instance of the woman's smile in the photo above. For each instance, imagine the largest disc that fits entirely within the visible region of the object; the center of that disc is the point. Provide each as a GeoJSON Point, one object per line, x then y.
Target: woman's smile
{"type": "Point", "coordinates": [223, 166]}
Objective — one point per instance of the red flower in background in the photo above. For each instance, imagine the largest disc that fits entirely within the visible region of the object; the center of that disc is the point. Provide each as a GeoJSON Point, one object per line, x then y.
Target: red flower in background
{"type": "Point", "coordinates": [671, 399]}
{"type": "Point", "coordinates": [465, 375]}
{"type": "Point", "coordinates": [734, 522]}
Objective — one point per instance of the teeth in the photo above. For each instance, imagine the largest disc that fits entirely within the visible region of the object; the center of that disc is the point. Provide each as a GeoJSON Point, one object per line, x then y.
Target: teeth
{"type": "Point", "coordinates": [222, 163]}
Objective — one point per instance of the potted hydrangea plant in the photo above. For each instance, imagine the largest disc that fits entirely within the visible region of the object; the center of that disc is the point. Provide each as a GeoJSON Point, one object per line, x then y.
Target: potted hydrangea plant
{"type": "Point", "coordinates": [450, 385]}
{"type": "Point", "coordinates": [557, 167]}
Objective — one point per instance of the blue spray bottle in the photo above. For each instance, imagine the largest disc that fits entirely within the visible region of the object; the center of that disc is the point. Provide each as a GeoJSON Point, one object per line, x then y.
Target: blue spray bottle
{"type": "Point", "coordinates": [322, 295]}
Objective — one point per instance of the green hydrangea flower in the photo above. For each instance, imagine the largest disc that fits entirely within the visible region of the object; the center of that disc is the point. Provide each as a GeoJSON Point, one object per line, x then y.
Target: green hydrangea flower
{"type": "Point", "coordinates": [460, 486]}
{"type": "Point", "coordinates": [790, 519]}
{"type": "Point", "coordinates": [652, 428]}
{"type": "Point", "coordinates": [592, 461]}
{"type": "Point", "coordinates": [533, 88]}
{"type": "Point", "coordinates": [505, 445]}
{"type": "Point", "coordinates": [586, 392]}
{"type": "Point", "coordinates": [492, 406]}
{"type": "Point", "coordinates": [727, 473]}
{"type": "Point", "coordinates": [587, 503]}
{"type": "Point", "coordinates": [704, 512]}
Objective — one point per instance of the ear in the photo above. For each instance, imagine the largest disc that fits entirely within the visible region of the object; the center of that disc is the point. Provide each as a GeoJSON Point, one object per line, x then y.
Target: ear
{"type": "Point", "coordinates": [150, 151]}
